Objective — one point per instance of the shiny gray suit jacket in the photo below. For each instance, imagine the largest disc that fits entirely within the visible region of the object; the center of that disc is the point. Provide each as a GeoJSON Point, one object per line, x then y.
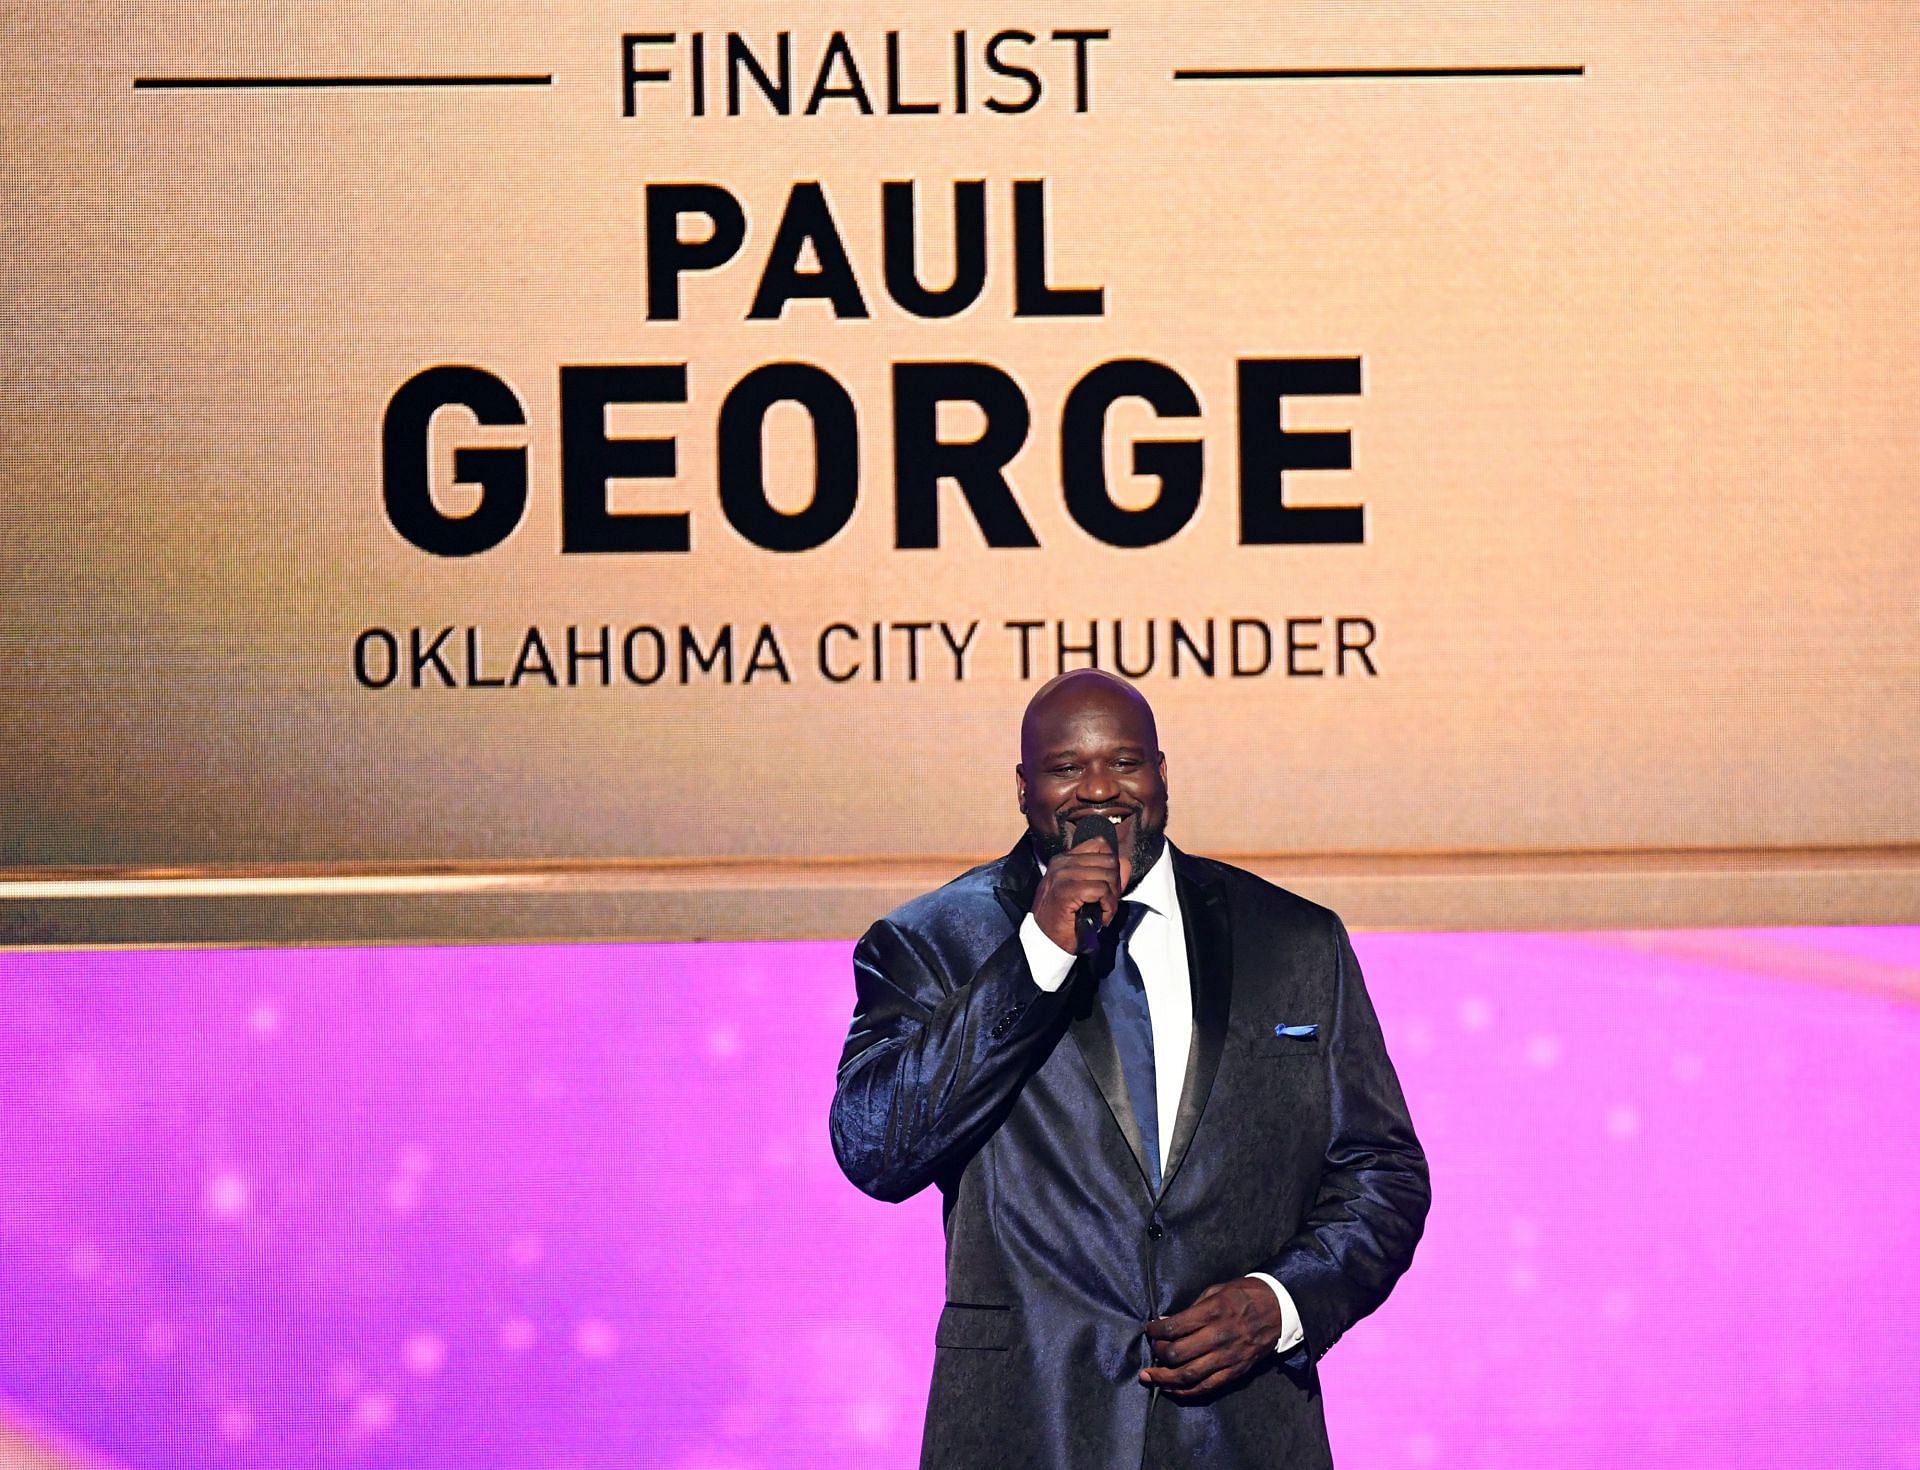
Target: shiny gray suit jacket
{"type": "Point", "coordinates": [1291, 1154]}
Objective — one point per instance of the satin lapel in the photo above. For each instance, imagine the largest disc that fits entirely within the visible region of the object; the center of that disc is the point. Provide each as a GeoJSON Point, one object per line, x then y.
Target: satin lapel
{"type": "Point", "coordinates": [1203, 911]}
{"type": "Point", "coordinates": [1019, 876]}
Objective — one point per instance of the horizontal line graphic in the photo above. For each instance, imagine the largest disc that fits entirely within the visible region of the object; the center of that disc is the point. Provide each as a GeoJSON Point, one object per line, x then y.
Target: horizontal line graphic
{"type": "Point", "coordinates": [1363, 73]}
{"type": "Point", "coordinates": [321, 83]}
{"type": "Point", "coordinates": [264, 879]}
{"type": "Point", "coordinates": [148, 906]}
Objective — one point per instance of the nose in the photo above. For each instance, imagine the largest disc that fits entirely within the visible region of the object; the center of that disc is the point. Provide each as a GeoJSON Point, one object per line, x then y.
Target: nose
{"type": "Point", "coordinates": [1097, 787]}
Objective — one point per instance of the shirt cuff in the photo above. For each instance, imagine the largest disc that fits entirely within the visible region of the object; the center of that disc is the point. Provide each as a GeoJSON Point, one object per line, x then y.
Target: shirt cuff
{"type": "Point", "coordinates": [1292, 1334]}
{"type": "Point", "coordinates": [1047, 960]}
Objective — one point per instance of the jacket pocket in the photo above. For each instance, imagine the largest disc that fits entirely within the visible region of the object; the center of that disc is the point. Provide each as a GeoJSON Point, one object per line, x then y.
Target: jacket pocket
{"type": "Point", "coordinates": [964, 1325]}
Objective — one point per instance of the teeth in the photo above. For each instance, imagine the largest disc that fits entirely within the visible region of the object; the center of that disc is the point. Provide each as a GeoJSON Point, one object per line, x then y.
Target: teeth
{"type": "Point", "coordinates": [1114, 820]}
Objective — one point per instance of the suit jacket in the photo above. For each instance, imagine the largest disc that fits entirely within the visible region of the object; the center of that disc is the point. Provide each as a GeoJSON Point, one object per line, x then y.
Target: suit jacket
{"type": "Point", "coordinates": [1291, 1154]}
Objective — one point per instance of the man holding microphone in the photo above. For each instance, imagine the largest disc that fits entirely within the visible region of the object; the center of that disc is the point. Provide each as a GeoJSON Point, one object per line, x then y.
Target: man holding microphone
{"type": "Point", "coordinates": [1175, 1160]}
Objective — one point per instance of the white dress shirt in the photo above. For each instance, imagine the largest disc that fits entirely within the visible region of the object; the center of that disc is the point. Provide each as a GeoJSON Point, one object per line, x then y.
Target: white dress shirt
{"type": "Point", "coordinates": [1159, 947]}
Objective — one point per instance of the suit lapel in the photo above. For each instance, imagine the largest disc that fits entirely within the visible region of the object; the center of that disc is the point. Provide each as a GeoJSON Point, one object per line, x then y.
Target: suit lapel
{"type": "Point", "coordinates": [1019, 876]}
{"type": "Point", "coordinates": [1087, 1023]}
{"type": "Point", "coordinates": [1203, 912]}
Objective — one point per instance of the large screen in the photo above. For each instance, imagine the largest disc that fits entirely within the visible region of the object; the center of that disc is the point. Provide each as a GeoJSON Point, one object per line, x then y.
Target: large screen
{"type": "Point", "coordinates": [538, 471]}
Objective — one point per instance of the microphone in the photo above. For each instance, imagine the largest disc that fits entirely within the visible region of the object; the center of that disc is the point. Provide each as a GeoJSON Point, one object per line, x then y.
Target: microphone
{"type": "Point", "coordinates": [1086, 923]}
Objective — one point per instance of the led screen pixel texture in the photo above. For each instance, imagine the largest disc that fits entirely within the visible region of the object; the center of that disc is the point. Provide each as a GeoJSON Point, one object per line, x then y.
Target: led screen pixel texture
{"type": "Point", "coordinates": [1600, 376]}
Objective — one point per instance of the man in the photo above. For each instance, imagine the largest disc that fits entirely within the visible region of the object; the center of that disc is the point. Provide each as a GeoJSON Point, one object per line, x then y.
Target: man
{"type": "Point", "coordinates": [1175, 1168]}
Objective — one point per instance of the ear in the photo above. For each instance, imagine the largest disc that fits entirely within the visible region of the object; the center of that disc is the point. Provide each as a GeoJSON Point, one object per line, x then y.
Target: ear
{"type": "Point", "coordinates": [1020, 788]}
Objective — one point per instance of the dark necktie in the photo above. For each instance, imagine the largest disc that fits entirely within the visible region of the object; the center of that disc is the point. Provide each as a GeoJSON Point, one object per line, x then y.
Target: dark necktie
{"type": "Point", "coordinates": [1123, 999]}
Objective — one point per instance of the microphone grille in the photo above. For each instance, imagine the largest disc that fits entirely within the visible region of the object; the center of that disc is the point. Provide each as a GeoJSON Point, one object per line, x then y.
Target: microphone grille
{"type": "Point", "coordinates": [1086, 827]}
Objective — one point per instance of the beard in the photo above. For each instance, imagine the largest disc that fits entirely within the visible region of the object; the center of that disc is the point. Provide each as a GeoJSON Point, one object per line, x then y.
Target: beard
{"type": "Point", "coordinates": [1142, 853]}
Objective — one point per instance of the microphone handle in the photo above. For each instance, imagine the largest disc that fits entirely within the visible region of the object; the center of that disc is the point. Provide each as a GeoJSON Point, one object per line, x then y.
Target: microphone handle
{"type": "Point", "coordinates": [1086, 928]}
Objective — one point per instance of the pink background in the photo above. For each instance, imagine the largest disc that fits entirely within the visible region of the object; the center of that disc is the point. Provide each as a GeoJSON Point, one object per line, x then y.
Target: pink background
{"type": "Point", "coordinates": [573, 1207]}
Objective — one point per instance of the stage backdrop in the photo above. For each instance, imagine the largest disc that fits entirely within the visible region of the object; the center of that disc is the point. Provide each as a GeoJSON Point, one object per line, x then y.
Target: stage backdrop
{"type": "Point", "coordinates": [531, 470]}
{"type": "Point", "coordinates": [573, 1208]}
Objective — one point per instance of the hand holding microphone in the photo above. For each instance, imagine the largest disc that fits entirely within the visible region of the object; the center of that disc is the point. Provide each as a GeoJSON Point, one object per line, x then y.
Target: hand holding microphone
{"type": "Point", "coordinates": [1080, 893]}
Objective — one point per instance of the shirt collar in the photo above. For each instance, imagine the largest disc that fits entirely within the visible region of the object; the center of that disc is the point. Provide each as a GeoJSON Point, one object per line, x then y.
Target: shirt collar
{"type": "Point", "coordinates": [1156, 890]}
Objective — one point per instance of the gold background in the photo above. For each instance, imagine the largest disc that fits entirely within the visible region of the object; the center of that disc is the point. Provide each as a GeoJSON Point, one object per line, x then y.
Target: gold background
{"type": "Point", "coordinates": [1636, 444]}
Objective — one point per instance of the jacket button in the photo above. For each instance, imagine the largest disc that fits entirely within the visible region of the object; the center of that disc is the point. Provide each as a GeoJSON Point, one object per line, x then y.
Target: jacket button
{"type": "Point", "coordinates": [1156, 1230]}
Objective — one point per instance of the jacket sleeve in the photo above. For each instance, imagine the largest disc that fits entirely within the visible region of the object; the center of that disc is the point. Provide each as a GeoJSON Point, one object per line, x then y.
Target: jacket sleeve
{"type": "Point", "coordinates": [932, 1061]}
{"type": "Point", "coordinates": [1372, 1202]}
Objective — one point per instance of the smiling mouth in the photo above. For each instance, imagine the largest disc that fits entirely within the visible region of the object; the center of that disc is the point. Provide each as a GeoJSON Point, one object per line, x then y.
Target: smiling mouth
{"type": "Point", "coordinates": [1117, 818]}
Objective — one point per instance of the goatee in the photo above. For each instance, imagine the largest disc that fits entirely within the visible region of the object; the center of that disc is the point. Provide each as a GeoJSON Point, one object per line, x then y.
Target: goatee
{"type": "Point", "coordinates": [1142, 853]}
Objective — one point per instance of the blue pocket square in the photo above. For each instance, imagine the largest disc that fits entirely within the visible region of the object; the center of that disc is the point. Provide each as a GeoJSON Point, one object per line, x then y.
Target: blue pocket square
{"type": "Point", "coordinates": [1302, 1031]}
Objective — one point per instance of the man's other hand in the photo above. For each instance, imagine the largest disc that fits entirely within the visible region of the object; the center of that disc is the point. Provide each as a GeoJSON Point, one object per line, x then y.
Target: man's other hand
{"type": "Point", "coordinates": [1089, 873]}
{"type": "Point", "coordinates": [1232, 1327]}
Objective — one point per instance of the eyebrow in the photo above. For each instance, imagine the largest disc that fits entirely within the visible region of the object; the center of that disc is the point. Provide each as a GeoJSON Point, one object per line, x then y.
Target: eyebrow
{"type": "Point", "coordinates": [1061, 755]}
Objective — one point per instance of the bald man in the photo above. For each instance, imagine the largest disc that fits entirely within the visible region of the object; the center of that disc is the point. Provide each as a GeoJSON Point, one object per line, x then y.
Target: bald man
{"type": "Point", "coordinates": [1175, 1160]}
